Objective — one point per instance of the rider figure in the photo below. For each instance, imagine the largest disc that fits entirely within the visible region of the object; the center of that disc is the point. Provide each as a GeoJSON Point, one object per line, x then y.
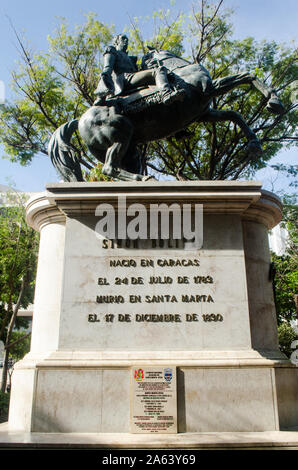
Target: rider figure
{"type": "Point", "coordinates": [120, 73]}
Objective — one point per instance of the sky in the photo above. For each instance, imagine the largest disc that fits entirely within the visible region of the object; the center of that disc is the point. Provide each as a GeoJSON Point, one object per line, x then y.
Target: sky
{"type": "Point", "coordinates": [262, 19]}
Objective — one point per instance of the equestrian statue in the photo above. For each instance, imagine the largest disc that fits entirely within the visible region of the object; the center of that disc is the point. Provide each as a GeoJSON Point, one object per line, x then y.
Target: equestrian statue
{"type": "Point", "coordinates": [133, 107]}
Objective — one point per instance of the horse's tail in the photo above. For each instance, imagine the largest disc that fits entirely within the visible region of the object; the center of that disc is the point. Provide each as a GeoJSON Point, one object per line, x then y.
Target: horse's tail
{"type": "Point", "coordinates": [62, 153]}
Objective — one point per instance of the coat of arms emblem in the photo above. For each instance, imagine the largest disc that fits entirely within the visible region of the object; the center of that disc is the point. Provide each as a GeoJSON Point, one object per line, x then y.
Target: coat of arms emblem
{"type": "Point", "coordinates": [139, 375]}
{"type": "Point", "coordinates": [168, 375]}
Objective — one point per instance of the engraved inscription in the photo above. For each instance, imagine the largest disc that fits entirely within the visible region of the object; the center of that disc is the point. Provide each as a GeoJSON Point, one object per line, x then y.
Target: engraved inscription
{"type": "Point", "coordinates": [151, 287]}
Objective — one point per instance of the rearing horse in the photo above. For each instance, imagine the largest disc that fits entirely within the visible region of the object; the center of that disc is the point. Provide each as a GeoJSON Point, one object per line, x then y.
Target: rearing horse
{"type": "Point", "coordinates": [112, 132]}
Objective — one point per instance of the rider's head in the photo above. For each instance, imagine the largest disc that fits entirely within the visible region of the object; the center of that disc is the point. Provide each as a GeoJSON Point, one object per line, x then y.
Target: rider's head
{"type": "Point", "coordinates": [121, 42]}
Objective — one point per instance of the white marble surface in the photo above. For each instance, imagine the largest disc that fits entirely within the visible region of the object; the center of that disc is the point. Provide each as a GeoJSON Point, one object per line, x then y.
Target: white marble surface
{"type": "Point", "coordinates": [222, 258]}
{"type": "Point", "coordinates": [212, 440]}
{"type": "Point", "coordinates": [76, 377]}
{"type": "Point", "coordinates": [48, 291]}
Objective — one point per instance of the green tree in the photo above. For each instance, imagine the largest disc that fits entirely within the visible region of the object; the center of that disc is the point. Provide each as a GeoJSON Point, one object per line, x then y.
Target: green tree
{"type": "Point", "coordinates": [286, 266]}
{"type": "Point", "coordinates": [286, 336]}
{"type": "Point", "coordinates": [18, 257]}
{"type": "Point", "coordinates": [54, 87]}
{"type": "Point", "coordinates": [286, 277]}
{"type": "Point", "coordinates": [4, 405]}
{"type": "Point", "coordinates": [217, 151]}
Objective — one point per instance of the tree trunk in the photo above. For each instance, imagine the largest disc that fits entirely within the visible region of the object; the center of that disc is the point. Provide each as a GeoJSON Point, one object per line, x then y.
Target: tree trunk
{"type": "Point", "coordinates": [5, 371]}
{"type": "Point", "coordinates": [8, 335]}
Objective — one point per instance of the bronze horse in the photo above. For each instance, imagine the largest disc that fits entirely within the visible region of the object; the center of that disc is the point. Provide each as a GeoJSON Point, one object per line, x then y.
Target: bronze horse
{"type": "Point", "coordinates": [113, 131]}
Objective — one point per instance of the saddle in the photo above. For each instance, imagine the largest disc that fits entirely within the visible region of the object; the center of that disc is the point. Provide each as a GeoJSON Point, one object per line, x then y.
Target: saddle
{"type": "Point", "coordinates": [136, 100]}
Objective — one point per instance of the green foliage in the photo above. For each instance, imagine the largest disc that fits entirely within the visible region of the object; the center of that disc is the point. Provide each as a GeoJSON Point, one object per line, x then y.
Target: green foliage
{"type": "Point", "coordinates": [168, 33]}
{"type": "Point", "coordinates": [286, 277]}
{"type": "Point", "coordinates": [18, 259]}
{"type": "Point", "coordinates": [286, 282]}
{"type": "Point", "coordinates": [53, 88]}
{"type": "Point", "coordinates": [286, 335]}
{"type": "Point", "coordinates": [21, 345]}
{"type": "Point", "coordinates": [210, 151]}
{"type": "Point", "coordinates": [290, 222]}
{"type": "Point", "coordinates": [286, 266]}
{"type": "Point", "coordinates": [96, 174]}
{"type": "Point", "coordinates": [219, 151]}
{"type": "Point", "coordinates": [56, 86]}
{"type": "Point", "coordinates": [78, 53]}
{"type": "Point", "coordinates": [4, 405]}
{"type": "Point", "coordinates": [18, 249]}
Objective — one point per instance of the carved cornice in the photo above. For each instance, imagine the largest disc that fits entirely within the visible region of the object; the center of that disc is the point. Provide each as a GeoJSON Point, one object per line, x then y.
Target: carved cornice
{"type": "Point", "coordinates": [267, 210]}
{"type": "Point", "coordinates": [40, 212]}
{"type": "Point", "coordinates": [76, 199]}
{"type": "Point", "coordinates": [245, 198]}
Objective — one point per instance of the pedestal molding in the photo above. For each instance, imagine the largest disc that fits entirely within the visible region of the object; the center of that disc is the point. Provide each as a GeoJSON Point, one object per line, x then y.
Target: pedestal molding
{"type": "Point", "coordinates": [218, 197]}
{"type": "Point", "coordinates": [127, 359]}
{"type": "Point", "coordinates": [40, 212]}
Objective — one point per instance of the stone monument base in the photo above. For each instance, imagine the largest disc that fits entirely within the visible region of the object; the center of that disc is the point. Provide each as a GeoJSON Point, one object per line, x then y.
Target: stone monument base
{"type": "Point", "coordinates": [268, 440]}
{"type": "Point", "coordinates": [97, 302]}
{"type": "Point", "coordinates": [226, 391]}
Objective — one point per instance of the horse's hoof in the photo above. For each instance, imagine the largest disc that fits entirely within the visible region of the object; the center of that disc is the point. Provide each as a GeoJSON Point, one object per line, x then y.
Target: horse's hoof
{"type": "Point", "coordinates": [148, 178]}
{"type": "Point", "coordinates": [275, 106]}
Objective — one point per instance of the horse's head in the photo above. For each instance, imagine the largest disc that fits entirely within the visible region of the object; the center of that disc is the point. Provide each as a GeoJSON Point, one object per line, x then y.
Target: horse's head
{"type": "Point", "coordinates": [149, 59]}
{"type": "Point", "coordinates": [154, 58]}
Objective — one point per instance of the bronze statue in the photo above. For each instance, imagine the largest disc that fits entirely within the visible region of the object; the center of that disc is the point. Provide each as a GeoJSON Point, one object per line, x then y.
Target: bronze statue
{"type": "Point", "coordinates": [120, 75]}
{"type": "Point", "coordinates": [124, 117]}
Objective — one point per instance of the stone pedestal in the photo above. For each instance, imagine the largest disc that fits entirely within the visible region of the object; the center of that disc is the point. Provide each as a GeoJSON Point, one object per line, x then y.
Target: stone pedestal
{"type": "Point", "coordinates": [101, 309]}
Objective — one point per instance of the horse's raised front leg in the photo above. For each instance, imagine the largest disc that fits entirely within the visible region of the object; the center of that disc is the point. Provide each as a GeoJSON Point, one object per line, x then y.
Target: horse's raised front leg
{"type": "Point", "coordinates": [226, 84]}
{"type": "Point", "coordinates": [254, 146]}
